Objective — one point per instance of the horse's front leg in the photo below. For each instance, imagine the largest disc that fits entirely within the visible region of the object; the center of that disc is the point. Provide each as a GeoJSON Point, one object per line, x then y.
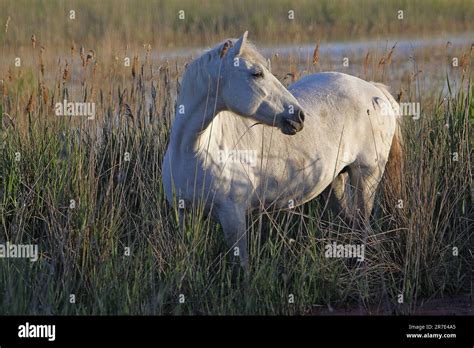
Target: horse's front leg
{"type": "Point", "coordinates": [233, 221]}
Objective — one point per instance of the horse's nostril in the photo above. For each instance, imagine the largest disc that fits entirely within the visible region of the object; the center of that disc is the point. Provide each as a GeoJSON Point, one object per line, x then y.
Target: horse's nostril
{"type": "Point", "coordinates": [301, 115]}
{"type": "Point", "coordinates": [291, 126]}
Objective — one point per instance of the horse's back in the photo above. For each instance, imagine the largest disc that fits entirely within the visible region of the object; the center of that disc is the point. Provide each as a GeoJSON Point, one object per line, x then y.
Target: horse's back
{"type": "Point", "coordinates": [345, 104]}
{"type": "Point", "coordinates": [339, 95]}
{"type": "Point", "coordinates": [336, 84]}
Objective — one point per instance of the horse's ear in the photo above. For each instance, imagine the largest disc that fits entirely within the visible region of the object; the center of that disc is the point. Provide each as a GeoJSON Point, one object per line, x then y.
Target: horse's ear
{"type": "Point", "coordinates": [240, 44]}
{"type": "Point", "coordinates": [225, 48]}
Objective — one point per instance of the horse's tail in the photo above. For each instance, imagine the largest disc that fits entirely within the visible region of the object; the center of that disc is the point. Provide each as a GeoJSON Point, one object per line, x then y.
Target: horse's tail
{"type": "Point", "coordinates": [392, 178]}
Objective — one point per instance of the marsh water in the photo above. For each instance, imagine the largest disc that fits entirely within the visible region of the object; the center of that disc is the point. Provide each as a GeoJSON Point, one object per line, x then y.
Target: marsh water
{"type": "Point", "coordinates": [411, 67]}
{"type": "Point", "coordinates": [428, 61]}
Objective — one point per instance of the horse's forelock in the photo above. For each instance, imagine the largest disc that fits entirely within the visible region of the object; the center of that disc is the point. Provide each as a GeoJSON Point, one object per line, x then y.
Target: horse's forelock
{"type": "Point", "coordinates": [249, 52]}
{"type": "Point", "coordinates": [252, 55]}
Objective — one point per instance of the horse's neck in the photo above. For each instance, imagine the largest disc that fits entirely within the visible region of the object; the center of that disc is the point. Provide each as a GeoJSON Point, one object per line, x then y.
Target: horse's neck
{"type": "Point", "coordinates": [191, 137]}
{"type": "Point", "coordinates": [226, 132]}
{"type": "Point", "coordinates": [196, 107]}
{"type": "Point", "coordinates": [185, 131]}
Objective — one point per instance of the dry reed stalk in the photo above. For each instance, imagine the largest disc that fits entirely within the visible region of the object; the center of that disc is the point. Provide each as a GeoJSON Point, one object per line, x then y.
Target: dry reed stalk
{"type": "Point", "coordinates": [82, 55]}
{"type": "Point", "coordinates": [41, 62]}
{"type": "Point", "coordinates": [316, 54]}
{"type": "Point", "coordinates": [94, 88]}
{"type": "Point", "coordinates": [134, 66]}
{"type": "Point", "coordinates": [90, 56]}
{"type": "Point", "coordinates": [45, 94]}
{"type": "Point", "coordinates": [31, 103]}
{"type": "Point", "coordinates": [33, 41]}
{"type": "Point", "coordinates": [463, 62]}
{"type": "Point", "coordinates": [6, 24]}
{"type": "Point", "coordinates": [148, 53]}
{"type": "Point", "coordinates": [366, 63]}
{"type": "Point", "coordinates": [66, 72]}
{"type": "Point", "coordinates": [390, 53]}
{"type": "Point", "coordinates": [388, 58]}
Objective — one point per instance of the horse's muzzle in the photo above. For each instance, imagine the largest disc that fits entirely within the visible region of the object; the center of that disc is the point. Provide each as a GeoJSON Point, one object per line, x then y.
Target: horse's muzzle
{"type": "Point", "coordinates": [290, 126]}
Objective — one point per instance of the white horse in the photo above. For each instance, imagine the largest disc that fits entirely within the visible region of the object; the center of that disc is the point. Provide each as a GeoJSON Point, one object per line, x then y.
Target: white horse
{"type": "Point", "coordinates": [238, 143]}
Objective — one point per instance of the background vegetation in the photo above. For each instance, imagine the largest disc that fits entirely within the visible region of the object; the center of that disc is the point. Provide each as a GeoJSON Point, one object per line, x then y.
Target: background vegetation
{"type": "Point", "coordinates": [124, 22]}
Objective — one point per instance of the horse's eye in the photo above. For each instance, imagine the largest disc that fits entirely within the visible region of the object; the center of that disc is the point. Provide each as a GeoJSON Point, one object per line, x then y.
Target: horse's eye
{"type": "Point", "coordinates": [258, 74]}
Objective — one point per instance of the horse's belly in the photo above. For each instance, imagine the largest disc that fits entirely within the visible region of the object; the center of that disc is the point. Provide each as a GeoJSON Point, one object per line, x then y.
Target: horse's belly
{"type": "Point", "coordinates": [288, 191]}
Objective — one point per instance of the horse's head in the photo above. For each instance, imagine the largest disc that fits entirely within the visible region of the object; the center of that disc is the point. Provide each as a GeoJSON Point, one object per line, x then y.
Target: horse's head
{"type": "Point", "coordinates": [248, 88]}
